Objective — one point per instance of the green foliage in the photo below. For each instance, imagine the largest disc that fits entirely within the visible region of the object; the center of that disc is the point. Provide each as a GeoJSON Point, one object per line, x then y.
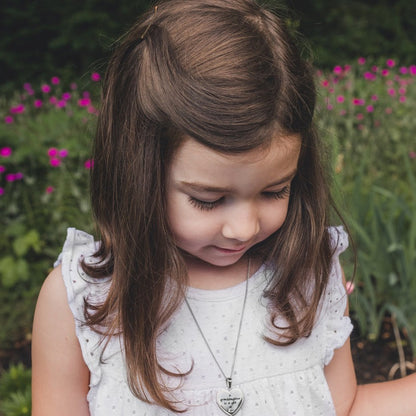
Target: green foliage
{"type": "Point", "coordinates": [341, 30]}
{"type": "Point", "coordinates": [44, 191]}
{"type": "Point", "coordinates": [15, 391]}
{"type": "Point", "coordinates": [66, 37]}
{"type": "Point", "coordinates": [367, 116]}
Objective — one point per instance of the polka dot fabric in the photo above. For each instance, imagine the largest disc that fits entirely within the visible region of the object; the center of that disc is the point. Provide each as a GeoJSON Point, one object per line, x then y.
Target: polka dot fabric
{"type": "Point", "coordinates": [276, 381]}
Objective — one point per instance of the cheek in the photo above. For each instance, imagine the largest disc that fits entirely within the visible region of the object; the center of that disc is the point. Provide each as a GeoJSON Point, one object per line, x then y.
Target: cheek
{"type": "Point", "coordinates": [188, 223]}
{"type": "Point", "coordinates": [275, 217]}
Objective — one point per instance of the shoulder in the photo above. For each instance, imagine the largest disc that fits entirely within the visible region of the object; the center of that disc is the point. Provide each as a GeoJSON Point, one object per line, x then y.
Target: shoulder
{"type": "Point", "coordinates": [59, 374]}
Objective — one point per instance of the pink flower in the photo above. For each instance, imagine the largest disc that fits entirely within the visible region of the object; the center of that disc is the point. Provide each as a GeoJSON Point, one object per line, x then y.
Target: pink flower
{"type": "Point", "coordinates": [340, 99]}
{"type": "Point", "coordinates": [390, 63]}
{"type": "Point", "coordinates": [53, 100]}
{"type": "Point", "coordinates": [27, 86]}
{"type": "Point", "coordinates": [402, 91]}
{"type": "Point", "coordinates": [360, 116]}
{"type": "Point", "coordinates": [38, 103]}
{"type": "Point", "coordinates": [385, 72]}
{"type": "Point", "coordinates": [66, 96]}
{"type": "Point", "coordinates": [403, 70]}
{"type": "Point", "coordinates": [342, 112]}
{"type": "Point", "coordinates": [91, 109]}
{"type": "Point", "coordinates": [1, 191]}
{"type": "Point", "coordinates": [50, 189]}
{"type": "Point", "coordinates": [374, 68]}
{"type": "Point", "coordinates": [347, 68]}
{"type": "Point", "coordinates": [45, 88]}
{"type": "Point", "coordinates": [55, 80]}
{"type": "Point", "coordinates": [55, 162]}
{"type": "Point", "coordinates": [84, 102]}
{"type": "Point", "coordinates": [412, 69]}
{"type": "Point", "coordinates": [370, 109]}
{"type": "Point", "coordinates": [358, 101]}
{"type": "Point", "coordinates": [374, 97]}
{"type": "Point", "coordinates": [5, 151]}
{"type": "Point", "coordinates": [52, 152]}
{"type": "Point", "coordinates": [370, 76]}
{"type": "Point", "coordinates": [325, 83]}
{"type": "Point", "coordinates": [73, 86]}
{"type": "Point", "coordinates": [86, 94]}
{"type": "Point", "coordinates": [8, 119]}
{"type": "Point", "coordinates": [95, 76]}
{"type": "Point", "coordinates": [391, 92]}
{"type": "Point", "coordinates": [18, 176]}
{"type": "Point", "coordinates": [349, 287]}
{"type": "Point", "coordinates": [63, 153]}
{"type": "Point", "coordinates": [10, 177]}
{"type": "Point", "coordinates": [2, 169]}
{"type": "Point", "coordinates": [329, 107]}
{"type": "Point", "coordinates": [338, 70]}
{"type": "Point", "coordinates": [61, 104]}
{"type": "Point", "coordinates": [402, 99]}
{"type": "Point", "coordinates": [361, 61]}
{"type": "Point", "coordinates": [89, 164]}
{"type": "Point", "coordinates": [412, 155]}
{"type": "Point", "coordinates": [18, 109]}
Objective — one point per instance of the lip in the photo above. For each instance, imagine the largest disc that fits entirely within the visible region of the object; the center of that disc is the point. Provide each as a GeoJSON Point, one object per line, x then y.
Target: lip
{"type": "Point", "coordinates": [229, 250]}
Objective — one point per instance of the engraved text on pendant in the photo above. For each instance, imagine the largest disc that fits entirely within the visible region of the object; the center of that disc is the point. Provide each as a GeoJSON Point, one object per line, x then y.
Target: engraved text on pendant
{"type": "Point", "coordinates": [230, 401]}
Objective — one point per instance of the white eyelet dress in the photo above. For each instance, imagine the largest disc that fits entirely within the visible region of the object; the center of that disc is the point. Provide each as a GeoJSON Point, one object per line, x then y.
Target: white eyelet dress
{"type": "Point", "coordinates": [276, 381]}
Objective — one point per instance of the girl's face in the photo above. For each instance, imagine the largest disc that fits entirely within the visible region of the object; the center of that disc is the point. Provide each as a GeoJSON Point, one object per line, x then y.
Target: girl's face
{"type": "Point", "coordinates": [220, 205]}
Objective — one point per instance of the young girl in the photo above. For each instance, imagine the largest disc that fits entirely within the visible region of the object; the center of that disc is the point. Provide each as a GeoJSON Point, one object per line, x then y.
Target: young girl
{"type": "Point", "coordinates": [216, 287]}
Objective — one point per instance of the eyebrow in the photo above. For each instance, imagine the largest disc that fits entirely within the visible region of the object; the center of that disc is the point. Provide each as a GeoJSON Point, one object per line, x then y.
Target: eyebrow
{"type": "Point", "coordinates": [216, 189]}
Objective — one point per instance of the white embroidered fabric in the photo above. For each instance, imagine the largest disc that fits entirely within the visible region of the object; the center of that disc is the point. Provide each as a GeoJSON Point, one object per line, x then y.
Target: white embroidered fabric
{"type": "Point", "coordinates": [276, 381]}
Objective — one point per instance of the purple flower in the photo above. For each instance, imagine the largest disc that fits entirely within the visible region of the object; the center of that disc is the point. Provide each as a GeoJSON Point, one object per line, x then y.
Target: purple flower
{"type": "Point", "coordinates": [95, 76]}
{"type": "Point", "coordinates": [55, 80]}
{"type": "Point", "coordinates": [8, 119]}
{"type": "Point", "coordinates": [361, 61]}
{"type": "Point", "coordinates": [37, 103]}
{"type": "Point", "coordinates": [18, 109]}
{"type": "Point", "coordinates": [63, 153]}
{"type": "Point", "coordinates": [45, 88]}
{"type": "Point", "coordinates": [55, 162]}
{"type": "Point", "coordinates": [5, 151]}
{"type": "Point", "coordinates": [52, 152]}
{"type": "Point", "coordinates": [1, 191]}
{"type": "Point", "coordinates": [89, 164]}
{"type": "Point", "coordinates": [390, 63]}
{"type": "Point", "coordinates": [84, 102]}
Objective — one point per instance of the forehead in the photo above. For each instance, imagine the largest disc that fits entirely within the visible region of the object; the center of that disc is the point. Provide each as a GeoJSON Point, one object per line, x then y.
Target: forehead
{"type": "Point", "coordinates": [194, 162]}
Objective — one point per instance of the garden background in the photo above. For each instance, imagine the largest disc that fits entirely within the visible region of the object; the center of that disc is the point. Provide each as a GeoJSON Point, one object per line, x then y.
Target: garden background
{"type": "Point", "coordinates": [52, 57]}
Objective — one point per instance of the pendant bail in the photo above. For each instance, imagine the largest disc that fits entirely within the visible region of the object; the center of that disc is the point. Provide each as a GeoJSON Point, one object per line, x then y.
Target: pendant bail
{"type": "Point", "coordinates": [229, 382]}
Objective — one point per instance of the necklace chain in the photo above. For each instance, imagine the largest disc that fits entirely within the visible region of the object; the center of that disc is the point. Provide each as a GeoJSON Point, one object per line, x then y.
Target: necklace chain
{"type": "Point", "coordinates": [228, 380]}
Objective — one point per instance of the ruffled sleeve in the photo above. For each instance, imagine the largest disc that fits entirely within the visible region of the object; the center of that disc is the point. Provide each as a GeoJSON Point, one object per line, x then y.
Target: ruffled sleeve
{"type": "Point", "coordinates": [336, 326]}
{"type": "Point", "coordinates": [79, 286]}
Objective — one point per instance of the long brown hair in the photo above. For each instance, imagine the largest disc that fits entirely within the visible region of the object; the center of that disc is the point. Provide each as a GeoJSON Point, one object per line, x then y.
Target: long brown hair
{"type": "Point", "coordinates": [227, 74]}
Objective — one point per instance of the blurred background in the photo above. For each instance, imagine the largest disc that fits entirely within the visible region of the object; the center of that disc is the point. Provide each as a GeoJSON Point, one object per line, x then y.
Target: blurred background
{"type": "Point", "coordinates": [39, 38]}
{"type": "Point", "coordinates": [52, 59]}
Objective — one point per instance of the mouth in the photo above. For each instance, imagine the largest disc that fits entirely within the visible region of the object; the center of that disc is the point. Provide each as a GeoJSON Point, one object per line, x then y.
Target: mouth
{"type": "Point", "coordinates": [231, 250]}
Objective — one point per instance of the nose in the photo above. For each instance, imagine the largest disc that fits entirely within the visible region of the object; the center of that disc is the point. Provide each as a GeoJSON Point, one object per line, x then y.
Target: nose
{"type": "Point", "coordinates": [242, 223]}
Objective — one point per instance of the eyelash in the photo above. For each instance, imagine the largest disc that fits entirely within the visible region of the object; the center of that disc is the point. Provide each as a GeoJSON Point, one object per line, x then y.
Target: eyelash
{"type": "Point", "coordinates": [209, 205]}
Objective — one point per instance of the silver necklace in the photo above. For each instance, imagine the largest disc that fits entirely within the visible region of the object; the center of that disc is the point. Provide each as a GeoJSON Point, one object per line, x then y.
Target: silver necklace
{"type": "Point", "coordinates": [231, 399]}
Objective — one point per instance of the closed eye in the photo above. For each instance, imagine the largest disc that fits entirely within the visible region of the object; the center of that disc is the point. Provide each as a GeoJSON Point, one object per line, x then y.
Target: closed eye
{"type": "Point", "coordinates": [282, 194]}
{"type": "Point", "coordinates": [204, 205]}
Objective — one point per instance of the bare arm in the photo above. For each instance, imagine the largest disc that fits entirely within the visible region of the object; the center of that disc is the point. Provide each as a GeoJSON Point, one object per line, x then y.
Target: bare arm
{"type": "Point", "coordinates": [60, 377]}
{"type": "Point", "coordinates": [391, 398]}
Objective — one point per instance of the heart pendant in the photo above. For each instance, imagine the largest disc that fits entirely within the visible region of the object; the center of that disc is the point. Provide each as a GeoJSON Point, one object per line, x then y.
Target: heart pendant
{"type": "Point", "coordinates": [230, 401]}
